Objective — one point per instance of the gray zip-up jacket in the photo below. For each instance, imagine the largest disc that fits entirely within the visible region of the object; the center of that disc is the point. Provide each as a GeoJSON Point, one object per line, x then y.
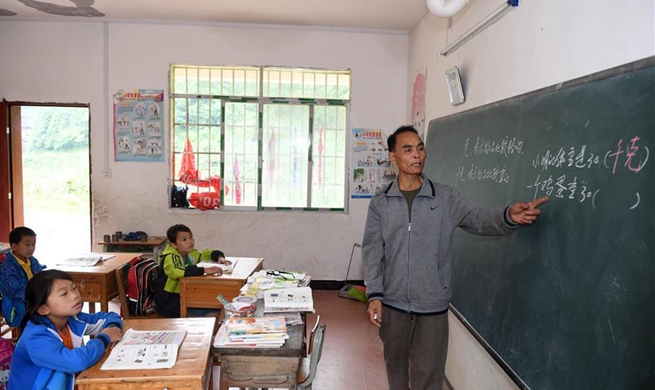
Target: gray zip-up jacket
{"type": "Point", "coordinates": [407, 263]}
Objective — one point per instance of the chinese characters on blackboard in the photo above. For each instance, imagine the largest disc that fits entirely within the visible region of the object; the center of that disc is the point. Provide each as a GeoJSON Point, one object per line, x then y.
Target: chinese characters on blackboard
{"type": "Point", "coordinates": [626, 154]}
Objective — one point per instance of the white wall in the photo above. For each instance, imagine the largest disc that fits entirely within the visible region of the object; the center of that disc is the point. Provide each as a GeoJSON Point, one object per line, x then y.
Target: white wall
{"type": "Point", "coordinates": [64, 62]}
{"type": "Point", "coordinates": [538, 44]}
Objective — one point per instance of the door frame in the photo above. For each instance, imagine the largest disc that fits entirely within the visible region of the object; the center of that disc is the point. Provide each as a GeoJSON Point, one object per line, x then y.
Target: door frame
{"type": "Point", "coordinates": [12, 205]}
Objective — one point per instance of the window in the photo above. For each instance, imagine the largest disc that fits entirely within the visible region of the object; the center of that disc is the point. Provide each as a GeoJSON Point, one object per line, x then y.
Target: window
{"type": "Point", "coordinates": [258, 138]}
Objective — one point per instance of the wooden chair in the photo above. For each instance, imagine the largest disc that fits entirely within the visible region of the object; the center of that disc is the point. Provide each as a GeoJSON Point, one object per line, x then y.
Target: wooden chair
{"type": "Point", "coordinates": [4, 328]}
{"type": "Point", "coordinates": [121, 280]}
{"type": "Point", "coordinates": [309, 365]}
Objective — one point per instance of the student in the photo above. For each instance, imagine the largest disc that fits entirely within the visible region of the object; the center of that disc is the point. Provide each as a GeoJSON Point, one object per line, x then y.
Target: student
{"type": "Point", "coordinates": [17, 269]}
{"type": "Point", "coordinates": [179, 260]}
{"type": "Point", "coordinates": [51, 350]}
{"type": "Point", "coordinates": [407, 271]}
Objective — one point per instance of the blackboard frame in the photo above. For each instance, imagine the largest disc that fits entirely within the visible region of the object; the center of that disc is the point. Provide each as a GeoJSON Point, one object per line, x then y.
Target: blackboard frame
{"type": "Point", "coordinates": [605, 74]}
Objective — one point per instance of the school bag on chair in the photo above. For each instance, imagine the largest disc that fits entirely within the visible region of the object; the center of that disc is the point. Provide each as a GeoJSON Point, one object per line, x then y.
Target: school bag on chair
{"type": "Point", "coordinates": [6, 352]}
{"type": "Point", "coordinates": [141, 280]}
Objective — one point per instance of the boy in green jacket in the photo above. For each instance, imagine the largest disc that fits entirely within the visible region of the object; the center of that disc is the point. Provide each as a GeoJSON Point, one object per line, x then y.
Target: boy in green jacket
{"type": "Point", "coordinates": [179, 259]}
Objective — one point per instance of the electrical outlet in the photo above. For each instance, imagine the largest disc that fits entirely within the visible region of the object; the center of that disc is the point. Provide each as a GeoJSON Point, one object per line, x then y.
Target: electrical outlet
{"type": "Point", "coordinates": [106, 173]}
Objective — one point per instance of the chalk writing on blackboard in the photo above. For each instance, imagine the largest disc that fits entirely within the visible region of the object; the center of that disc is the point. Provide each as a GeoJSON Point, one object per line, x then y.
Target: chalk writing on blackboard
{"type": "Point", "coordinates": [563, 158]}
{"type": "Point", "coordinates": [631, 157]}
{"type": "Point", "coordinates": [561, 189]}
{"type": "Point", "coordinates": [475, 173]}
{"type": "Point", "coordinates": [630, 153]}
{"type": "Point", "coordinates": [503, 146]}
{"type": "Point", "coordinates": [626, 154]}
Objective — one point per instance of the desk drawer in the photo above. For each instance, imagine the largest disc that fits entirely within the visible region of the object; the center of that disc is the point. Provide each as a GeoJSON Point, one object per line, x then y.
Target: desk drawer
{"type": "Point", "coordinates": [90, 291]}
{"type": "Point", "coordinates": [260, 371]}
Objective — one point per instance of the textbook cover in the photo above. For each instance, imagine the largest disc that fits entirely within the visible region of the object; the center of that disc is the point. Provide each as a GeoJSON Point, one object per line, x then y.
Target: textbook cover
{"type": "Point", "coordinates": [237, 326]}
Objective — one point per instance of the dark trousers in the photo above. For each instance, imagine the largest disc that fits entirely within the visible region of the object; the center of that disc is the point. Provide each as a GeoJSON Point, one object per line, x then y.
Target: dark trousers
{"type": "Point", "coordinates": [415, 349]}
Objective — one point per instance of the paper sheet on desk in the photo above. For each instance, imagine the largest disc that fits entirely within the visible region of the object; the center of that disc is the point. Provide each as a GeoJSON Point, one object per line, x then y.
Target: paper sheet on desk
{"type": "Point", "coordinates": [227, 269]}
{"type": "Point", "coordinates": [288, 300]}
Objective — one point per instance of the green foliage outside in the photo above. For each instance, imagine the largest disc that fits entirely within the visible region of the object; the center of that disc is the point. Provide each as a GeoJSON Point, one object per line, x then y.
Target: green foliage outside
{"type": "Point", "coordinates": [57, 128]}
{"type": "Point", "coordinates": [56, 159]}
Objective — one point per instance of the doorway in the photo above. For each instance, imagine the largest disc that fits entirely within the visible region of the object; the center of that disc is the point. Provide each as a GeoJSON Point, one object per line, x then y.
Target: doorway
{"type": "Point", "coordinates": [50, 171]}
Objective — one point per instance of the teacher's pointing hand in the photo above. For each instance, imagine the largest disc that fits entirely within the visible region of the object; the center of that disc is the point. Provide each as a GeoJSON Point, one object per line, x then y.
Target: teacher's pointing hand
{"type": "Point", "coordinates": [526, 213]}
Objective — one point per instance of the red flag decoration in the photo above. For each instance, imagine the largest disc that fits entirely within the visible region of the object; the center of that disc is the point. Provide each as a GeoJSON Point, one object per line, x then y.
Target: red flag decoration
{"type": "Point", "coordinates": [188, 174]}
{"type": "Point", "coordinates": [236, 172]}
{"type": "Point", "coordinates": [271, 158]}
{"type": "Point", "coordinates": [320, 154]}
{"type": "Point", "coordinates": [188, 171]}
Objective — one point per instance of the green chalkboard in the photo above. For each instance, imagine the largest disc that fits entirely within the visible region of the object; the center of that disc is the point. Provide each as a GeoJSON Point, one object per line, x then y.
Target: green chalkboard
{"type": "Point", "coordinates": [568, 303]}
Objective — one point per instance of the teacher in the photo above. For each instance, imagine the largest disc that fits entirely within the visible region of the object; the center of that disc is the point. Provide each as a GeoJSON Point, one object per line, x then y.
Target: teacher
{"type": "Point", "coordinates": [407, 253]}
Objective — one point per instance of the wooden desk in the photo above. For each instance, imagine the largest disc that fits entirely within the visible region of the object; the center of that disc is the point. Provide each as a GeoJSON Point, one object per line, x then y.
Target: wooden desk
{"type": "Point", "coordinates": [263, 367]}
{"type": "Point", "coordinates": [98, 283]}
{"type": "Point", "coordinates": [192, 371]}
{"type": "Point", "coordinates": [152, 247]}
{"type": "Point", "coordinates": [201, 291]}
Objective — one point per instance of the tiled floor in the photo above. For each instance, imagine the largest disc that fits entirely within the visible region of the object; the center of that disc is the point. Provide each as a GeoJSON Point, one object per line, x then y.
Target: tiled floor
{"type": "Point", "coordinates": [352, 351]}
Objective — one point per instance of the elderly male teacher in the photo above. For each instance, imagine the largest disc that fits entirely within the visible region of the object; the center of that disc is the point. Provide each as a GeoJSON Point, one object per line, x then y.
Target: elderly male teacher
{"type": "Point", "coordinates": [407, 252]}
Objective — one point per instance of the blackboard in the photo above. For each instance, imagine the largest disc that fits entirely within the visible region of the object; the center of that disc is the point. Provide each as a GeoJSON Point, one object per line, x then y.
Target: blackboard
{"type": "Point", "coordinates": [568, 303]}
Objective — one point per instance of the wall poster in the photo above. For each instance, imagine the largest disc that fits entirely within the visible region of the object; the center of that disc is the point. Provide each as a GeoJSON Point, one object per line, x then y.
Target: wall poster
{"type": "Point", "coordinates": [371, 166]}
{"type": "Point", "coordinates": [418, 102]}
{"type": "Point", "coordinates": [138, 125]}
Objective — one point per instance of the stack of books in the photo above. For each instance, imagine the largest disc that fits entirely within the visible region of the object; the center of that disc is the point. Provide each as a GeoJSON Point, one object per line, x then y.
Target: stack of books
{"type": "Point", "coordinates": [252, 332]}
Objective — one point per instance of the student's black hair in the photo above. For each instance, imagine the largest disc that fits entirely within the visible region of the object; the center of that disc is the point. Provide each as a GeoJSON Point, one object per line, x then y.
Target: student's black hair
{"type": "Point", "coordinates": [17, 234]}
{"type": "Point", "coordinates": [172, 231]}
{"type": "Point", "coordinates": [391, 141]}
{"type": "Point", "coordinates": [37, 291]}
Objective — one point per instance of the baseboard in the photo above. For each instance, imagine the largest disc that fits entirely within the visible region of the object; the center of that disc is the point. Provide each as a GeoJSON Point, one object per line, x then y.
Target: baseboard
{"type": "Point", "coordinates": [332, 284]}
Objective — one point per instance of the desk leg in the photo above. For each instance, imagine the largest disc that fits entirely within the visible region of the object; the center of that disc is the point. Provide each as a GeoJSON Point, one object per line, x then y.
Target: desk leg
{"type": "Point", "coordinates": [104, 305]}
{"type": "Point", "coordinates": [224, 380]}
{"type": "Point", "coordinates": [183, 310]}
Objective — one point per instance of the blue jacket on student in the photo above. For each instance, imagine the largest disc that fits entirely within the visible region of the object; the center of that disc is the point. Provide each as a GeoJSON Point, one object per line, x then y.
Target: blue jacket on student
{"type": "Point", "coordinates": [42, 362]}
{"type": "Point", "coordinates": [12, 286]}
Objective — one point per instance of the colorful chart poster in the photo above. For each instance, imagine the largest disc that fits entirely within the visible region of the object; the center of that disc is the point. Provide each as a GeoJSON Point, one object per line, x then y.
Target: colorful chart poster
{"type": "Point", "coordinates": [372, 169]}
{"type": "Point", "coordinates": [138, 125]}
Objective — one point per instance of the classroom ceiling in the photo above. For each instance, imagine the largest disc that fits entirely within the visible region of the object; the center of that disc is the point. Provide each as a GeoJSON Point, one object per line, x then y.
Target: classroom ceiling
{"type": "Point", "coordinates": [394, 15]}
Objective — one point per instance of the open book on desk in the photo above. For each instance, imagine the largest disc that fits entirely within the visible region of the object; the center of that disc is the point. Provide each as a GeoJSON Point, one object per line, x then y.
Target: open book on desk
{"type": "Point", "coordinates": [143, 350]}
{"type": "Point", "coordinates": [86, 259]}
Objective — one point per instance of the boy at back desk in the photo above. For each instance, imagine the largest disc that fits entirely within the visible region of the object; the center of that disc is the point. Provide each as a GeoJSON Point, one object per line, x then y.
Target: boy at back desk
{"type": "Point", "coordinates": [17, 269]}
{"type": "Point", "coordinates": [178, 260]}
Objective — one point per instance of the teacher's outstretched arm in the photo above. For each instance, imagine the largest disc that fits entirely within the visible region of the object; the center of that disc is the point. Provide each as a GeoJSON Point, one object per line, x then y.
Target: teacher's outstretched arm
{"type": "Point", "coordinates": [526, 213]}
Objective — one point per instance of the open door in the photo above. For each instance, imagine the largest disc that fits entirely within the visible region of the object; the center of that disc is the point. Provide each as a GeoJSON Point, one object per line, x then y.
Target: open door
{"type": "Point", "coordinates": [45, 166]}
{"type": "Point", "coordinates": [5, 175]}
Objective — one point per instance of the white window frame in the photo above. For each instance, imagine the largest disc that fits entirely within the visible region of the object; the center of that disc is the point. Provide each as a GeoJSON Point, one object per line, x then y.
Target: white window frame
{"type": "Point", "coordinates": [261, 102]}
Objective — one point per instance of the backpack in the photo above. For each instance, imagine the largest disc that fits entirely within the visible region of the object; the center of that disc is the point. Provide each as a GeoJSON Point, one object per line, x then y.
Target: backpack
{"type": "Point", "coordinates": [6, 352]}
{"type": "Point", "coordinates": [141, 280]}
{"type": "Point", "coordinates": [178, 196]}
